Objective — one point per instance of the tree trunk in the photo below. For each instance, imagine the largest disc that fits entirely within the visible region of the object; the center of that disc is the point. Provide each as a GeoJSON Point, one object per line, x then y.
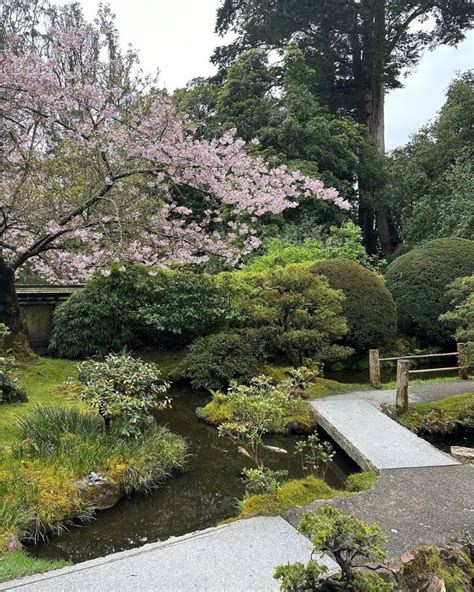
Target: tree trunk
{"type": "Point", "coordinates": [292, 355]}
{"type": "Point", "coordinates": [9, 309]}
{"type": "Point", "coordinates": [372, 112]}
{"type": "Point", "coordinates": [366, 220]}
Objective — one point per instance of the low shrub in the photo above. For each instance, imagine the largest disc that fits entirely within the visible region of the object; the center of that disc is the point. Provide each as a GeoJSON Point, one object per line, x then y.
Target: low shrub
{"type": "Point", "coordinates": [123, 388]}
{"type": "Point", "coordinates": [352, 543]}
{"type": "Point", "coordinates": [418, 282]}
{"type": "Point", "coordinates": [368, 306]}
{"type": "Point", "coordinates": [297, 415]}
{"type": "Point", "coordinates": [295, 313]}
{"type": "Point", "coordinates": [134, 307]}
{"type": "Point", "coordinates": [214, 361]}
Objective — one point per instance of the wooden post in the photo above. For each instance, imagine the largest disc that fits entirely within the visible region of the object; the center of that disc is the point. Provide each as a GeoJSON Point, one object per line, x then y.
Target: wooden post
{"type": "Point", "coordinates": [374, 368]}
{"type": "Point", "coordinates": [403, 367]}
{"type": "Point", "coordinates": [462, 361]}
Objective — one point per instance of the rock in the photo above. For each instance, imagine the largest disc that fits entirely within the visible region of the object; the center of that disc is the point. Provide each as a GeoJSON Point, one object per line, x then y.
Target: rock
{"type": "Point", "coordinates": [407, 557]}
{"type": "Point", "coordinates": [463, 453]}
{"type": "Point", "coordinates": [435, 584]}
{"type": "Point", "coordinates": [12, 544]}
{"type": "Point", "coordinates": [295, 428]}
{"type": "Point", "coordinates": [100, 491]}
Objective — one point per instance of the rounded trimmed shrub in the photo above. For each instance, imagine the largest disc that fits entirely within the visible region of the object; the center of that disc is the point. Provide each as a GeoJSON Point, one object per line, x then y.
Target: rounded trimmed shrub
{"type": "Point", "coordinates": [134, 307]}
{"type": "Point", "coordinates": [418, 282]}
{"type": "Point", "coordinates": [369, 307]}
{"type": "Point", "coordinates": [213, 361]}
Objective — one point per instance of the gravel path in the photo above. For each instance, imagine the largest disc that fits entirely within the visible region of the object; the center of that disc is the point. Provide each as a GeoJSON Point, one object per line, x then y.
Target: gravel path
{"type": "Point", "coordinates": [414, 507]}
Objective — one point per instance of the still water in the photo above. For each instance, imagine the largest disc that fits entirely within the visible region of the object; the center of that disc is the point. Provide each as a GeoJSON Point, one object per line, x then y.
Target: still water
{"type": "Point", "coordinates": [204, 494]}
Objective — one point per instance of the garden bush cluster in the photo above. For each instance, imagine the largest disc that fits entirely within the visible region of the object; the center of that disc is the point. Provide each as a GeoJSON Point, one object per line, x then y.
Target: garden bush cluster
{"type": "Point", "coordinates": [419, 280]}
{"type": "Point", "coordinates": [134, 307]}
{"type": "Point", "coordinates": [368, 307]}
{"type": "Point", "coordinates": [235, 321]}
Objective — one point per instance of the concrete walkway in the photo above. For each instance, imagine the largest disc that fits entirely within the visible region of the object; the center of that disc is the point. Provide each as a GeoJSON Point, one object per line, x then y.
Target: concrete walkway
{"type": "Point", "coordinates": [414, 507]}
{"type": "Point", "coordinates": [421, 393]}
{"type": "Point", "coordinates": [372, 439]}
{"type": "Point", "coordinates": [238, 557]}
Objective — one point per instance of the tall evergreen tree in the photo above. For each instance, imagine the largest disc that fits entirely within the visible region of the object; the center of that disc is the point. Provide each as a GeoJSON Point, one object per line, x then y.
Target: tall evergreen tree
{"type": "Point", "coordinates": [359, 49]}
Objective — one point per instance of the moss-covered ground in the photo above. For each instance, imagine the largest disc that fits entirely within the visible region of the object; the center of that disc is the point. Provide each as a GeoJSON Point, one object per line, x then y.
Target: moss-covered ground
{"type": "Point", "coordinates": [295, 493]}
{"type": "Point", "coordinates": [20, 564]}
{"type": "Point", "coordinates": [455, 408]}
{"type": "Point", "coordinates": [299, 493]}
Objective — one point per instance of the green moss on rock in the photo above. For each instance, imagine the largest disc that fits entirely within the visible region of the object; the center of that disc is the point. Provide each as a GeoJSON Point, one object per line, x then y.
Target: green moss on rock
{"type": "Point", "coordinates": [360, 481]}
{"type": "Point", "coordinates": [295, 493]}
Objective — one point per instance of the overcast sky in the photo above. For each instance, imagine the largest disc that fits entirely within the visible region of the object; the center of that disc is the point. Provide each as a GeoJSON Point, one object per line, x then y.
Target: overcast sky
{"type": "Point", "coordinates": [177, 37]}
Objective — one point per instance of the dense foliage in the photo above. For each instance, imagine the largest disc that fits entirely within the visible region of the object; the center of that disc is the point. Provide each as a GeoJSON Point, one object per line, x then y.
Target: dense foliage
{"type": "Point", "coordinates": [418, 282]}
{"type": "Point", "coordinates": [125, 389]}
{"type": "Point", "coordinates": [344, 241]}
{"type": "Point", "coordinates": [368, 306]}
{"type": "Point", "coordinates": [10, 391]}
{"type": "Point", "coordinates": [461, 313]}
{"type": "Point", "coordinates": [431, 179]}
{"type": "Point", "coordinates": [135, 307]}
{"type": "Point", "coordinates": [214, 361]}
{"type": "Point", "coordinates": [295, 313]}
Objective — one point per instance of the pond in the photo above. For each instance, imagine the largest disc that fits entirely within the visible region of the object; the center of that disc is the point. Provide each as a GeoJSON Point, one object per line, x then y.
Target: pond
{"type": "Point", "coordinates": [204, 494]}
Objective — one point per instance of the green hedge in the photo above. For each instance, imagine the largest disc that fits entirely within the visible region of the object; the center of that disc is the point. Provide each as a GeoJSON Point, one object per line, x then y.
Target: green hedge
{"type": "Point", "coordinates": [136, 308]}
{"type": "Point", "coordinates": [418, 282]}
{"type": "Point", "coordinates": [215, 360]}
{"type": "Point", "coordinates": [369, 306]}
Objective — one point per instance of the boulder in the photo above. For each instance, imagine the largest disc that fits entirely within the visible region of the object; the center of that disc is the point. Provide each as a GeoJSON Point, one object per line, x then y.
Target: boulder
{"type": "Point", "coordinates": [12, 544]}
{"type": "Point", "coordinates": [463, 453]}
{"type": "Point", "coordinates": [102, 492]}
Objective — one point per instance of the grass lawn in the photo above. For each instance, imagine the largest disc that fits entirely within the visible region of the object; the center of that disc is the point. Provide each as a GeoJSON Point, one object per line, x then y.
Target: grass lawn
{"type": "Point", "coordinates": [42, 380]}
{"type": "Point", "coordinates": [20, 564]}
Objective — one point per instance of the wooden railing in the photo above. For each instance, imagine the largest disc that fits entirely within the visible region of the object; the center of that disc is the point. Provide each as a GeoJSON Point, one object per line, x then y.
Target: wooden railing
{"type": "Point", "coordinates": [403, 370]}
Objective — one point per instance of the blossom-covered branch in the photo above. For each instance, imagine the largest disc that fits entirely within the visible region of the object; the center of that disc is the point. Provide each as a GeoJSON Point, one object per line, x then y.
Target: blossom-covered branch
{"type": "Point", "coordinates": [97, 166]}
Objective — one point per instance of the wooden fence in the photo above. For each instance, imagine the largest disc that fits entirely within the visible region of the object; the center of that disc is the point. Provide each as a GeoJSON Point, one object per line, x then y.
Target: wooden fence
{"type": "Point", "coordinates": [403, 370]}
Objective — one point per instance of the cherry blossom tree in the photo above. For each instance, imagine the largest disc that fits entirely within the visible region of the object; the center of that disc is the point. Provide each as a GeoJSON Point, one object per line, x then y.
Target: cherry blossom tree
{"type": "Point", "coordinates": [98, 167]}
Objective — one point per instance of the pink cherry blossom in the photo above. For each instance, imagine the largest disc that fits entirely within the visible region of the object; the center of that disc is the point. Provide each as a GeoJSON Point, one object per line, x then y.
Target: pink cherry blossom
{"type": "Point", "coordinates": [98, 164]}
